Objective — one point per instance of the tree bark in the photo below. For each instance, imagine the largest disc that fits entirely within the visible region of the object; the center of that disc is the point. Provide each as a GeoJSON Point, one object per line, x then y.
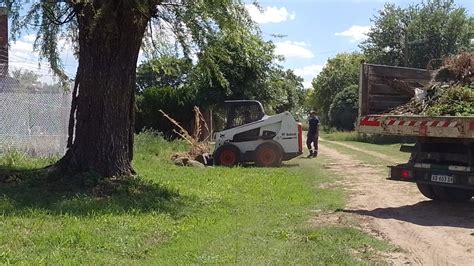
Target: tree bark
{"type": "Point", "coordinates": [102, 114]}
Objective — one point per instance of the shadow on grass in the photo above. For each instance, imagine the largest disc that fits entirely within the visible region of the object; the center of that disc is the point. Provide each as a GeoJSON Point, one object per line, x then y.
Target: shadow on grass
{"type": "Point", "coordinates": [26, 192]}
{"type": "Point", "coordinates": [283, 165]}
{"type": "Point", "coordinates": [427, 213]}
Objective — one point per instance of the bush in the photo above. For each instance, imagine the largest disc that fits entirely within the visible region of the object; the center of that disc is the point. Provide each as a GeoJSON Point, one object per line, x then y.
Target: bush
{"type": "Point", "coordinates": [455, 101]}
{"type": "Point", "coordinates": [178, 103]}
{"type": "Point", "coordinates": [344, 108]}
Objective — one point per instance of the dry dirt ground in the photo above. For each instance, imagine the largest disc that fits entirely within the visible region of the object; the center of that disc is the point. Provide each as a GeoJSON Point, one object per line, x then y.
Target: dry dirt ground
{"type": "Point", "coordinates": [427, 232]}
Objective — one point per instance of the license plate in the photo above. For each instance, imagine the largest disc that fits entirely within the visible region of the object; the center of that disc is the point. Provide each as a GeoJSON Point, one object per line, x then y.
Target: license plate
{"type": "Point", "coordinates": [442, 179]}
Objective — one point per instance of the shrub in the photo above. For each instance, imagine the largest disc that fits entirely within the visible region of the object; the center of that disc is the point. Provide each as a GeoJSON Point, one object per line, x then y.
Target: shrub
{"type": "Point", "coordinates": [344, 108]}
{"type": "Point", "coordinates": [178, 103]}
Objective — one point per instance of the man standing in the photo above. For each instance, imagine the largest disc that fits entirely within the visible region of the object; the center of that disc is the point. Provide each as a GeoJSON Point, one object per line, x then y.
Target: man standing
{"type": "Point", "coordinates": [313, 134]}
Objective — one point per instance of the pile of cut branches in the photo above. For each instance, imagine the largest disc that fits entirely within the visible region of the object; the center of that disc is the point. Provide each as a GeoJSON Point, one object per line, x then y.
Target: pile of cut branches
{"type": "Point", "coordinates": [450, 92]}
{"type": "Point", "coordinates": [199, 145]}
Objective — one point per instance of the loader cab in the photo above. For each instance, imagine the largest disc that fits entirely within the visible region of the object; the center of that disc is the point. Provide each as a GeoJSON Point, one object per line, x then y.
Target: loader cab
{"type": "Point", "coordinates": [242, 112]}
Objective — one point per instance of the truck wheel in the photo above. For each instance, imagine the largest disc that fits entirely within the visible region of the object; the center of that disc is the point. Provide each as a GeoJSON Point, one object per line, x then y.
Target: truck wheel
{"type": "Point", "coordinates": [452, 194]}
{"type": "Point", "coordinates": [427, 191]}
{"type": "Point", "coordinates": [268, 155]}
{"type": "Point", "coordinates": [227, 155]}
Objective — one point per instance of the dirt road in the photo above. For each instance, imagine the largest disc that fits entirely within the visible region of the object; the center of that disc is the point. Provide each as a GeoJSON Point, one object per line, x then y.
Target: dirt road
{"type": "Point", "coordinates": [430, 233]}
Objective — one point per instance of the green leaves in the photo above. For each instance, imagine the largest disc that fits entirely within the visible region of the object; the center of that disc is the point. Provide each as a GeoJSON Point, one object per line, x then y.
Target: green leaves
{"type": "Point", "coordinates": [339, 73]}
{"type": "Point", "coordinates": [454, 101]}
{"type": "Point", "coordinates": [165, 71]}
{"type": "Point", "coordinates": [344, 108]}
{"type": "Point", "coordinates": [420, 35]}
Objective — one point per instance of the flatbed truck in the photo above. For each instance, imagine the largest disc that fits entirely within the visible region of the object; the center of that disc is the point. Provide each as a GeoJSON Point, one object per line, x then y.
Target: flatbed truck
{"type": "Point", "coordinates": [442, 159]}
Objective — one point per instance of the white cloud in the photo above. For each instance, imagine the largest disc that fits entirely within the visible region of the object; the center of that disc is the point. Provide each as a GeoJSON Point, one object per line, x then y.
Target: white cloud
{"type": "Point", "coordinates": [29, 38]}
{"type": "Point", "coordinates": [307, 84]}
{"type": "Point", "coordinates": [270, 14]}
{"type": "Point", "coordinates": [22, 46]}
{"type": "Point", "coordinates": [356, 33]}
{"type": "Point", "coordinates": [292, 49]}
{"type": "Point", "coordinates": [308, 73]}
{"type": "Point", "coordinates": [22, 56]}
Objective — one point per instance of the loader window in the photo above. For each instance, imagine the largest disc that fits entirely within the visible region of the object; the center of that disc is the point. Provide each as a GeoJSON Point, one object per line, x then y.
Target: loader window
{"type": "Point", "coordinates": [243, 113]}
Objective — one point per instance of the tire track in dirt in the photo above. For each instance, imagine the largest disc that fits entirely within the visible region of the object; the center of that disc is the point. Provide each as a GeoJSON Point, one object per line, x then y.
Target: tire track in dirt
{"type": "Point", "coordinates": [432, 233]}
{"type": "Point", "coordinates": [371, 153]}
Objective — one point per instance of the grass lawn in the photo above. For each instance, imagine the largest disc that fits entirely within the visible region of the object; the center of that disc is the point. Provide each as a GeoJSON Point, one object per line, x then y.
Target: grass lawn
{"type": "Point", "coordinates": [176, 215]}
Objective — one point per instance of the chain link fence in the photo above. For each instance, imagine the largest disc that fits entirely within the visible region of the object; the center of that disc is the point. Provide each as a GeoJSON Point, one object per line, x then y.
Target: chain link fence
{"type": "Point", "coordinates": [33, 122]}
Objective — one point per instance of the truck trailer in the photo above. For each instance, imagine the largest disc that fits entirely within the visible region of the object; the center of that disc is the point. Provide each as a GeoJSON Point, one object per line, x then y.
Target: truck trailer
{"type": "Point", "coordinates": [442, 159]}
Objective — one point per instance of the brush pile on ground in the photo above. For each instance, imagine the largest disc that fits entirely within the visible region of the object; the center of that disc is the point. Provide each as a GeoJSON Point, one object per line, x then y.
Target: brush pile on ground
{"type": "Point", "coordinates": [450, 92]}
{"type": "Point", "coordinates": [198, 154]}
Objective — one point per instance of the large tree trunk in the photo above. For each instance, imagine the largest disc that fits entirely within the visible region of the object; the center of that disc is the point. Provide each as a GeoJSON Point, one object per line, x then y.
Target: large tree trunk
{"type": "Point", "coordinates": [102, 114]}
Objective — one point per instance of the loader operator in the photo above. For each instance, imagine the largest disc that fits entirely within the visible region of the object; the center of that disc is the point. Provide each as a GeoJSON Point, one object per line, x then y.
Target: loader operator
{"type": "Point", "coordinates": [313, 134]}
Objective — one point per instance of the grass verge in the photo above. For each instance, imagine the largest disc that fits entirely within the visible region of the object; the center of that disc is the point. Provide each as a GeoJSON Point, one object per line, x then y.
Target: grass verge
{"type": "Point", "coordinates": [366, 138]}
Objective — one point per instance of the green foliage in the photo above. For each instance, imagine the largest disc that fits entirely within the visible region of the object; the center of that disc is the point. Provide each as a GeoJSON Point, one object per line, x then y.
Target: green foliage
{"type": "Point", "coordinates": [176, 215]}
{"type": "Point", "coordinates": [192, 22]}
{"type": "Point", "coordinates": [28, 81]}
{"type": "Point", "coordinates": [177, 102]}
{"type": "Point", "coordinates": [340, 72]}
{"type": "Point", "coordinates": [419, 35]}
{"type": "Point", "coordinates": [289, 94]}
{"type": "Point", "coordinates": [454, 101]}
{"type": "Point", "coordinates": [310, 101]}
{"type": "Point", "coordinates": [229, 67]}
{"type": "Point", "coordinates": [344, 108]}
{"type": "Point", "coordinates": [164, 84]}
{"type": "Point", "coordinates": [164, 71]}
{"type": "Point", "coordinates": [235, 67]}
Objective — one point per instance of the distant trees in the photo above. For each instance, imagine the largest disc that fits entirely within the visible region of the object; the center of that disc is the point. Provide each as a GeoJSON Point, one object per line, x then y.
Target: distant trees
{"type": "Point", "coordinates": [290, 93]}
{"type": "Point", "coordinates": [246, 63]}
{"type": "Point", "coordinates": [28, 81]}
{"type": "Point", "coordinates": [228, 67]}
{"type": "Point", "coordinates": [419, 35]}
{"type": "Point", "coordinates": [339, 73]}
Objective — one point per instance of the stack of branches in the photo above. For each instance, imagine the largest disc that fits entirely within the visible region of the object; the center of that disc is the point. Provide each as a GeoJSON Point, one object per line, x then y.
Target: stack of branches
{"type": "Point", "coordinates": [450, 92]}
{"type": "Point", "coordinates": [199, 145]}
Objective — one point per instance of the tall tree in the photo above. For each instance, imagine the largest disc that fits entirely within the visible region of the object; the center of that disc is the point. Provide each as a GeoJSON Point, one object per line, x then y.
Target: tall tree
{"type": "Point", "coordinates": [164, 71]}
{"type": "Point", "coordinates": [108, 35]}
{"type": "Point", "coordinates": [419, 35]}
{"type": "Point", "coordinates": [163, 83]}
{"type": "Point", "coordinates": [340, 72]}
{"type": "Point", "coordinates": [290, 91]}
{"type": "Point", "coordinates": [235, 67]}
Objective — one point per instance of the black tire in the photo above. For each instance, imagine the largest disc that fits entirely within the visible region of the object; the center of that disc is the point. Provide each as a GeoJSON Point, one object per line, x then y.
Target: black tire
{"type": "Point", "coordinates": [427, 191]}
{"type": "Point", "coordinates": [227, 155]}
{"type": "Point", "coordinates": [452, 194]}
{"type": "Point", "coordinates": [268, 155]}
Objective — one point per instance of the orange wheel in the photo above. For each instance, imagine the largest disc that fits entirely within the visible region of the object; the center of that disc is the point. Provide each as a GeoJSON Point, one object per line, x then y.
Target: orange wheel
{"type": "Point", "coordinates": [268, 155]}
{"type": "Point", "coordinates": [227, 155]}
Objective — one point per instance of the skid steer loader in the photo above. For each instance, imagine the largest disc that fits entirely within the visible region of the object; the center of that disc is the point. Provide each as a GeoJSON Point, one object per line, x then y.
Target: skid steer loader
{"type": "Point", "coordinates": [251, 136]}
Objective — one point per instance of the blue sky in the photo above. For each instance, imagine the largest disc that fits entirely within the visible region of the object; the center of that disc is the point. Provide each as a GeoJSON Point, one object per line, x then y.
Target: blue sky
{"type": "Point", "coordinates": [313, 30]}
{"type": "Point", "coordinates": [316, 30]}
